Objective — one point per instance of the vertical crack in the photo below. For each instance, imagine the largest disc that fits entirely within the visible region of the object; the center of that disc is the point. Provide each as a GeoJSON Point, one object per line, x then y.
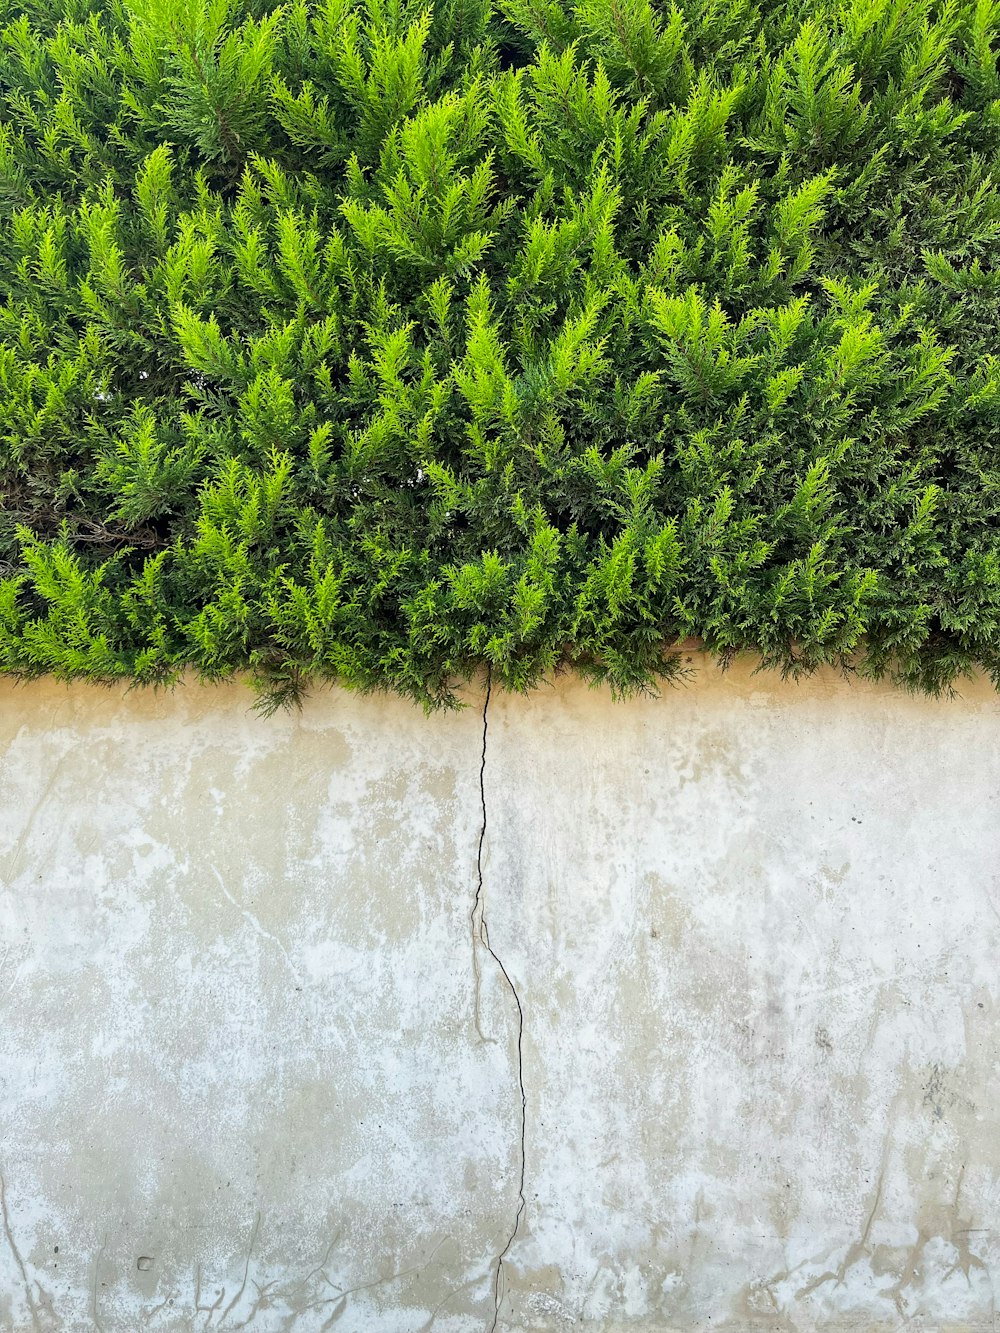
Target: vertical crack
{"type": "Point", "coordinates": [481, 936]}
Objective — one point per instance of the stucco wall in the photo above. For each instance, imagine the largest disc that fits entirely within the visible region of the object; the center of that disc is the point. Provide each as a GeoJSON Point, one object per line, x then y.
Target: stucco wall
{"type": "Point", "coordinates": [248, 1078]}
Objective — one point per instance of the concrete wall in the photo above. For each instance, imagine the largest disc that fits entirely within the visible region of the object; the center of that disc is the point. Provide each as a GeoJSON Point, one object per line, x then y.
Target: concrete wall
{"type": "Point", "coordinates": [249, 1078]}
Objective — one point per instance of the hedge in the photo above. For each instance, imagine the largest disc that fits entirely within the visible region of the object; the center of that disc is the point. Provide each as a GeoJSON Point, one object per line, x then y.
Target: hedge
{"type": "Point", "coordinates": [389, 340]}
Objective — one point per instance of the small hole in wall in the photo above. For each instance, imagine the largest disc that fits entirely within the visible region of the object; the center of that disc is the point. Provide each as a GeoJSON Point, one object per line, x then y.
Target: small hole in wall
{"type": "Point", "coordinates": [144, 1263]}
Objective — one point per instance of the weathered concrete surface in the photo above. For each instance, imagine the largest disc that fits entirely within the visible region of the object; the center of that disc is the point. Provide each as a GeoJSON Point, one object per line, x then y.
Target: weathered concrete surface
{"type": "Point", "coordinates": [248, 1080]}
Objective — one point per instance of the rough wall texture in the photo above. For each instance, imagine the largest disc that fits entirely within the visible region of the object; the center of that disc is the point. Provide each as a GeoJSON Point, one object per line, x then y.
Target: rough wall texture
{"type": "Point", "coordinates": [249, 1078]}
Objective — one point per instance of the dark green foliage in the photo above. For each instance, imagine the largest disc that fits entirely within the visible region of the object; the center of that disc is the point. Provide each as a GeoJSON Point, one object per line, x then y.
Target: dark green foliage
{"type": "Point", "coordinates": [388, 339]}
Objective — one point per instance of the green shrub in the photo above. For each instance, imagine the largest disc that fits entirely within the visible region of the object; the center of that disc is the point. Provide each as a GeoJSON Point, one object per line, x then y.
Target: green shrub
{"type": "Point", "coordinates": [388, 339]}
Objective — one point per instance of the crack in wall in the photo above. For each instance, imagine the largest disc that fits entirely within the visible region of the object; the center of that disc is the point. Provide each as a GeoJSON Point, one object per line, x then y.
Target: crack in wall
{"type": "Point", "coordinates": [481, 936]}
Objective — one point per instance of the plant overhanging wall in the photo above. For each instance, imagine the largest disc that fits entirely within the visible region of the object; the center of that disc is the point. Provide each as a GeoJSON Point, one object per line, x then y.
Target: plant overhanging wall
{"type": "Point", "coordinates": [388, 340]}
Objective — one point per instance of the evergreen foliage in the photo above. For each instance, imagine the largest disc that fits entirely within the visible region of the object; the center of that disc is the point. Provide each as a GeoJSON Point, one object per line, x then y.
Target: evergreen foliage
{"type": "Point", "coordinates": [388, 339]}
